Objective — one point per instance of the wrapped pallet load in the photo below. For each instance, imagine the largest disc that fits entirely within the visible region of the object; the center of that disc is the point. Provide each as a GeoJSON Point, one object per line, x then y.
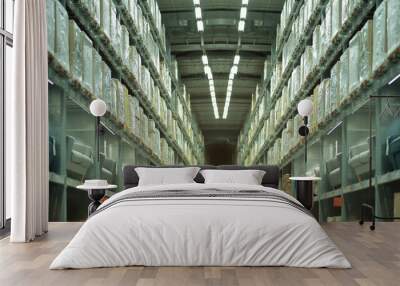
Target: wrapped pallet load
{"type": "Point", "coordinates": [97, 74]}
{"type": "Point", "coordinates": [124, 44]}
{"type": "Point", "coordinates": [123, 92]}
{"type": "Point", "coordinates": [327, 92]}
{"type": "Point", "coordinates": [75, 50]}
{"type": "Point", "coordinates": [106, 83]}
{"type": "Point", "coordinates": [354, 62]}
{"type": "Point", "coordinates": [316, 45]}
{"type": "Point", "coordinates": [328, 23]}
{"type": "Point", "coordinates": [126, 109]}
{"type": "Point", "coordinates": [344, 76]}
{"type": "Point", "coordinates": [61, 35]}
{"type": "Point", "coordinates": [366, 51]}
{"type": "Point", "coordinates": [321, 103]}
{"type": "Point", "coordinates": [112, 103]}
{"type": "Point", "coordinates": [132, 9]}
{"type": "Point", "coordinates": [136, 116]}
{"type": "Point", "coordinates": [380, 36]}
{"type": "Point", "coordinates": [336, 17]}
{"type": "Point", "coordinates": [393, 25]}
{"type": "Point", "coordinates": [87, 62]}
{"type": "Point", "coordinates": [105, 17]}
{"type": "Point", "coordinates": [335, 87]}
{"type": "Point", "coordinates": [51, 25]}
{"type": "Point", "coordinates": [345, 11]}
{"type": "Point", "coordinates": [97, 11]}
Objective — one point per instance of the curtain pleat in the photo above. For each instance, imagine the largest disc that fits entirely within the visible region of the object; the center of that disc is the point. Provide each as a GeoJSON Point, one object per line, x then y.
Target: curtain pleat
{"type": "Point", "coordinates": [28, 160]}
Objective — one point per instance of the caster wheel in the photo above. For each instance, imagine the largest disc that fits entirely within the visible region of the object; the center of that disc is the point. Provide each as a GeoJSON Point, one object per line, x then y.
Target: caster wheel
{"type": "Point", "coordinates": [372, 227]}
{"type": "Point", "coordinates": [361, 222]}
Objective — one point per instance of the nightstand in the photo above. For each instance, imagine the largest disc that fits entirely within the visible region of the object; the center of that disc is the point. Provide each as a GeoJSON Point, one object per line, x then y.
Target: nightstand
{"type": "Point", "coordinates": [96, 191]}
{"type": "Point", "coordinates": [304, 190]}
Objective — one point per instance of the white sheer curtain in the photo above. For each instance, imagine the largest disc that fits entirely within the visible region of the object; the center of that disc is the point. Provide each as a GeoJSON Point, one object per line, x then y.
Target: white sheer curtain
{"type": "Point", "coordinates": [27, 124]}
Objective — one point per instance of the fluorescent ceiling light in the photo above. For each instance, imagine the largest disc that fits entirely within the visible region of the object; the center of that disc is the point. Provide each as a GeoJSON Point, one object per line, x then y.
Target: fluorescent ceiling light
{"type": "Point", "coordinates": [204, 59]}
{"type": "Point", "coordinates": [207, 69]}
{"type": "Point", "coordinates": [200, 26]}
{"type": "Point", "coordinates": [241, 26]}
{"type": "Point", "coordinates": [197, 12]}
{"type": "Point", "coordinates": [234, 69]}
{"type": "Point", "coordinates": [236, 60]}
{"type": "Point", "coordinates": [196, 2]}
{"type": "Point", "coordinates": [244, 2]}
{"type": "Point", "coordinates": [394, 79]}
{"type": "Point", "coordinates": [243, 12]}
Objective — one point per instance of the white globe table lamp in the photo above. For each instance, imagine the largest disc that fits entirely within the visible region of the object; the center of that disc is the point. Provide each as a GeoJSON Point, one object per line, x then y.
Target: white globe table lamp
{"type": "Point", "coordinates": [98, 108]}
{"type": "Point", "coordinates": [305, 108]}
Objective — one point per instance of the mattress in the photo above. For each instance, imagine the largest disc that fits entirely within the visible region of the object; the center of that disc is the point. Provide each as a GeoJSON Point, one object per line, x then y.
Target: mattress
{"type": "Point", "coordinates": [201, 225]}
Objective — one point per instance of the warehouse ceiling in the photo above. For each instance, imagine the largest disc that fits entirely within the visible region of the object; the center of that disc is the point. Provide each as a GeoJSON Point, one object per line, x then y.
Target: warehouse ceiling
{"type": "Point", "coordinates": [221, 34]}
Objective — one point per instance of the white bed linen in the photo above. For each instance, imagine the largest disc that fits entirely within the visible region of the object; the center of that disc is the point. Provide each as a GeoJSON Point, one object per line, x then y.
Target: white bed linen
{"type": "Point", "coordinates": [206, 231]}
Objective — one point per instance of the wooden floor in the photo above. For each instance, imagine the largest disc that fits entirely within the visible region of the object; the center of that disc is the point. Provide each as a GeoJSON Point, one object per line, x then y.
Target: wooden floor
{"type": "Point", "coordinates": [375, 257]}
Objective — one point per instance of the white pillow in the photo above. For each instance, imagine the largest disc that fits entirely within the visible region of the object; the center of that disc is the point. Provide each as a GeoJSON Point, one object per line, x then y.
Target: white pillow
{"type": "Point", "coordinates": [166, 176]}
{"type": "Point", "coordinates": [248, 177]}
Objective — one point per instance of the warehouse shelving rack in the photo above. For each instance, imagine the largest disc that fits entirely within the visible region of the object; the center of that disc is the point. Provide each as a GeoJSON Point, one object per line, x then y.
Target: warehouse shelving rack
{"type": "Point", "coordinates": [296, 55]}
{"type": "Point", "coordinates": [105, 48]}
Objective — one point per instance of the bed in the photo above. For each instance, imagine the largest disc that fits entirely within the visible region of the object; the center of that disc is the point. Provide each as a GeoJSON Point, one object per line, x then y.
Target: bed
{"type": "Point", "coordinates": [197, 224]}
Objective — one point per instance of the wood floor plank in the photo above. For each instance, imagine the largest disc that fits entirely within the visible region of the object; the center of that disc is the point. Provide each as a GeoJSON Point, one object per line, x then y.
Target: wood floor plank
{"type": "Point", "coordinates": [375, 258]}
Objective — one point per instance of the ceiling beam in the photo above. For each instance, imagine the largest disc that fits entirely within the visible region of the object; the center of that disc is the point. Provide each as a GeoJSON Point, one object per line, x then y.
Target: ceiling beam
{"type": "Point", "coordinates": [222, 76]}
{"type": "Point", "coordinates": [249, 10]}
{"type": "Point", "coordinates": [257, 48]}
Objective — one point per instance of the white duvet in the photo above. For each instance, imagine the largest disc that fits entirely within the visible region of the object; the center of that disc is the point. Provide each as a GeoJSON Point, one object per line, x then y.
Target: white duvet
{"type": "Point", "coordinates": [200, 231]}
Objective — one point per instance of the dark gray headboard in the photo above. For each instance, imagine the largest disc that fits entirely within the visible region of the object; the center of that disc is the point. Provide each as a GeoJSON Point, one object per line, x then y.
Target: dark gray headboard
{"type": "Point", "coordinates": [270, 179]}
{"type": "Point", "coordinates": [131, 178]}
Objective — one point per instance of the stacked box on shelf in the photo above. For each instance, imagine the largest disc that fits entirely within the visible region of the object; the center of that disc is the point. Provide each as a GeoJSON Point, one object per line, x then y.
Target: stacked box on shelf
{"type": "Point", "coordinates": [380, 35]}
{"type": "Point", "coordinates": [134, 62]}
{"type": "Point", "coordinates": [344, 15]}
{"type": "Point", "coordinates": [112, 103]}
{"type": "Point", "coordinates": [75, 50]}
{"type": "Point", "coordinates": [141, 123]}
{"type": "Point", "coordinates": [106, 83]}
{"type": "Point", "coordinates": [145, 80]}
{"type": "Point", "coordinates": [157, 142]}
{"type": "Point", "coordinates": [354, 62]}
{"type": "Point", "coordinates": [128, 112]}
{"type": "Point", "coordinates": [87, 62]}
{"type": "Point", "coordinates": [327, 95]}
{"type": "Point", "coordinates": [328, 22]}
{"type": "Point", "coordinates": [145, 129]}
{"type": "Point", "coordinates": [124, 44]}
{"type": "Point", "coordinates": [323, 37]}
{"type": "Point", "coordinates": [97, 76]}
{"type": "Point", "coordinates": [105, 17]}
{"type": "Point", "coordinates": [61, 35]}
{"type": "Point", "coordinates": [316, 45]}
{"type": "Point", "coordinates": [393, 25]}
{"type": "Point", "coordinates": [321, 102]}
{"type": "Point", "coordinates": [136, 118]}
{"type": "Point", "coordinates": [344, 75]}
{"type": "Point", "coordinates": [267, 68]}
{"type": "Point", "coordinates": [335, 87]}
{"type": "Point", "coordinates": [51, 25]}
{"type": "Point", "coordinates": [123, 93]}
{"type": "Point", "coordinates": [132, 9]}
{"type": "Point", "coordinates": [115, 29]}
{"type": "Point", "coordinates": [336, 9]}
{"type": "Point", "coordinates": [365, 54]}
